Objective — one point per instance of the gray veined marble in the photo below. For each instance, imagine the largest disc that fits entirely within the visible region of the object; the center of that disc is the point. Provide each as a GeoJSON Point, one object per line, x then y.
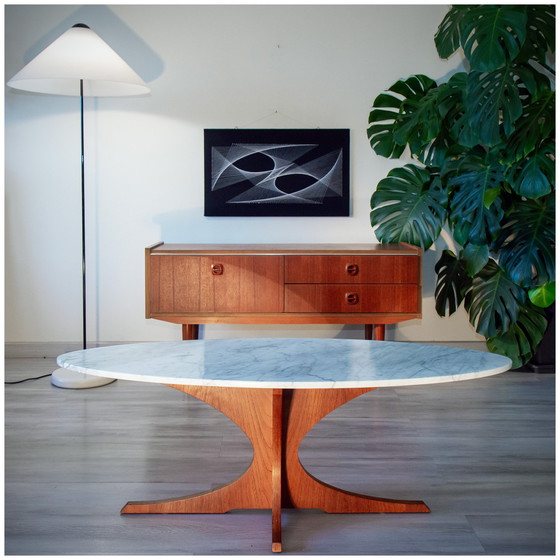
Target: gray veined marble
{"type": "Point", "coordinates": [286, 363]}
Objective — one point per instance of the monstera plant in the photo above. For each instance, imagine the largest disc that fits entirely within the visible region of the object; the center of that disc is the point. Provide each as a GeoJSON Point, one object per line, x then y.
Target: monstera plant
{"type": "Point", "coordinates": [483, 146]}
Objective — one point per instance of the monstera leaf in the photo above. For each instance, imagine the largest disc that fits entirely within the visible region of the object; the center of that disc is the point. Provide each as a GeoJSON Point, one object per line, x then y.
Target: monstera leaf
{"type": "Point", "coordinates": [541, 29]}
{"type": "Point", "coordinates": [535, 125]}
{"type": "Point", "coordinates": [410, 116]}
{"type": "Point", "coordinates": [526, 243]}
{"type": "Point", "coordinates": [452, 281]}
{"type": "Point", "coordinates": [409, 206]}
{"type": "Point", "coordinates": [521, 340]}
{"type": "Point", "coordinates": [475, 257]}
{"type": "Point", "coordinates": [420, 123]}
{"type": "Point", "coordinates": [448, 36]}
{"type": "Point", "coordinates": [492, 35]}
{"type": "Point", "coordinates": [543, 296]}
{"type": "Point", "coordinates": [453, 106]}
{"type": "Point", "coordinates": [494, 301]}
{"type": "Point", "coordinates": [381, 126]}
{"type": "Point", "coordinates": [475, 209]}
{"type": "Point", "coordinates": [533, 177]}
{"type": "Point", "coordinates": [493, 104]}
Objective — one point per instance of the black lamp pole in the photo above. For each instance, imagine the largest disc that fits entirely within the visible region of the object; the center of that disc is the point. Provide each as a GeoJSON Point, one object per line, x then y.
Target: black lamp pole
{"type": "Point", "coordinates": [84, 299]}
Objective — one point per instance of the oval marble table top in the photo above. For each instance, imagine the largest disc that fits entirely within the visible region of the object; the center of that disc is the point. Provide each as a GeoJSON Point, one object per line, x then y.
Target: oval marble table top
{"type": "Point", "coordinates": [285, 363]}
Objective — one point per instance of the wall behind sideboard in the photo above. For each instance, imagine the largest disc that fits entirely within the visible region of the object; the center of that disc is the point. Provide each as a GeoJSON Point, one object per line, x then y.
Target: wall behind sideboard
{"type": "Point", "coordinates": [246, 66]}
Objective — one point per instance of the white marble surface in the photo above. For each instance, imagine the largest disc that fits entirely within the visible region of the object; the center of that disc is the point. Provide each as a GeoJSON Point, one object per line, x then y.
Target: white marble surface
{"type": "Point", "coordinates": [285, 363]}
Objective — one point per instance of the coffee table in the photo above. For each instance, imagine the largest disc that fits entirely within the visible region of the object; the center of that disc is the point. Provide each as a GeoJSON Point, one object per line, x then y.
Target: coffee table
{"type": "Point", "coordinates": [276, 390]}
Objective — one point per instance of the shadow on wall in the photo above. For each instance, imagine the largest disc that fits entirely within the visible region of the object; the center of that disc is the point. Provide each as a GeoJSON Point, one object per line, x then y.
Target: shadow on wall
{"type": "Point", "coordinates": [111, 29]}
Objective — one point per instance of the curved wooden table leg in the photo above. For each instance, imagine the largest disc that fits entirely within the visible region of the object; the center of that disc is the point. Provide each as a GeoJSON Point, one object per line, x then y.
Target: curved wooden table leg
{"type": "Point", "coordinates": [250, 410]}
{"type": "Point", "coordinates": [275, 421]}
{"type": "Point", "coordinates": [303, 408]}
{"type": "Point", "coordinates": [277, 468]}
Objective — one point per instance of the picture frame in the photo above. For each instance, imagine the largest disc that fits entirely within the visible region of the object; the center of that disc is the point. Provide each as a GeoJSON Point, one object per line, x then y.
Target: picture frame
{"type": "Point", "coordinates": [276, 172]}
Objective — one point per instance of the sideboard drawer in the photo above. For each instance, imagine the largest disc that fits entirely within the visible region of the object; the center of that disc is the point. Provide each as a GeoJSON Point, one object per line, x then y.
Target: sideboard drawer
{"type": "Point", "coordinates": [346, 269]}
{"type": "Point", "coordinates": [351, 298]}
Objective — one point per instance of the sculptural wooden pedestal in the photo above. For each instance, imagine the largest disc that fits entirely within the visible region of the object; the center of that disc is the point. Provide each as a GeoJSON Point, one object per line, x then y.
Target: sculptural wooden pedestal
{"type": "Point", "coordinates": [275, 421]}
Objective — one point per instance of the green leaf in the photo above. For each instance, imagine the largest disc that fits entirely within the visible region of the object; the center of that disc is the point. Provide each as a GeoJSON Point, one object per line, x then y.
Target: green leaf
{"type": "Point", "coordinates": [533, 177]}
{"type": "Point", "coordinates": [521, 340]}
{"type": "Point", "coordinates": [472, 221]}
{"type": "Point", "coordinates": [448, 35]}
{"type": "Point", "coordinates": [493, 104]}
{"type": "Point", "coordinates": [453, 105]}
{"type": "Point", "coordinates": [541, 32]}
{"type": "Point", "coordinates": [543, 296]}
{"type": "Point", "coordinates": [526, 242]}
{"type": "Point", "coordinates": [411, 119]}
{"type": "Point", "coordinates": [452, 282]}
{"type": "Point", "coordinates": [493, 301]}
{"type": "Point", "coordinates": [534, 125]}
{"type": "Point", "coordinates": [440, 145]}
{"type": "Point", "coordinates": [383, 142]}
{"type": "Point", "coordinates": [409, 206]}
{"type": "Point", "coordinates": [490, 195]}
{"type": "Point", "coordinates": [475, 257]}
{"type": "Point", "coordinates": [420, 123]}
{"type": "Point", "coordinates": [386, 100]}
{"type": "Point", "coordinates": [492, 35]}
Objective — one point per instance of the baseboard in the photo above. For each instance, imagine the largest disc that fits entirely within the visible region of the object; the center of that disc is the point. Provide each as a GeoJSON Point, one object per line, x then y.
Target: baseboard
{"type": "Point", "coordinates": [54, 349]}
{"type": "Point", "coordinates": [38, 349]}
{"type": "Point", "coordinates": [45, 349]}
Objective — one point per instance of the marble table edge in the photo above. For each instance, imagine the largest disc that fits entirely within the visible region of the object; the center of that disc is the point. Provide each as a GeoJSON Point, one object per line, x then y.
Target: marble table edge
{"type": "Point", "coordinates": [373, 384]}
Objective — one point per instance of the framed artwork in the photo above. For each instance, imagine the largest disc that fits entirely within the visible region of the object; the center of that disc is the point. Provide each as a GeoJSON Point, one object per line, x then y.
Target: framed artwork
{"type": "Point", "coordinates": [276, 172]}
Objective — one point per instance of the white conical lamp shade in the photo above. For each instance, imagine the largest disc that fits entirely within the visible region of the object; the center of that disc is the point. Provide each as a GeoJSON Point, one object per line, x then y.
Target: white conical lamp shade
{"type": "Point", "coordinates": [79, 54]}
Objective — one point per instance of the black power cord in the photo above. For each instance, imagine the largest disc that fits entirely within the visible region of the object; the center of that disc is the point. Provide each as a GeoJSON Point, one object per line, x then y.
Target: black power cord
{"type": "Point", "coordinates": [28, 379]}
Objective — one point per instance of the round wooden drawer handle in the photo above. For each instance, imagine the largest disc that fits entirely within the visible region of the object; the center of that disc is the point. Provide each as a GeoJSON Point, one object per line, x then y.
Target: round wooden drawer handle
{"type": "Point", "coordinates": [352, 298]}
{"type": "Point", "coordinates": [352, 269]}
{"type": "Point", "coordinates": [217, 269]}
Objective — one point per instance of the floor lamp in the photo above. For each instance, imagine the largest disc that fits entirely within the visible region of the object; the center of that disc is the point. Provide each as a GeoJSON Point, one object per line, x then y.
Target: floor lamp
{"type": "Point", "coordinates": [79, 63]}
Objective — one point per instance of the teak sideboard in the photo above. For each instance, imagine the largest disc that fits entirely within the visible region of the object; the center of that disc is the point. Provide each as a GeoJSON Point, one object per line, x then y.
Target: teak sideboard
{"type": "Point", "coordinates": [369, 284]}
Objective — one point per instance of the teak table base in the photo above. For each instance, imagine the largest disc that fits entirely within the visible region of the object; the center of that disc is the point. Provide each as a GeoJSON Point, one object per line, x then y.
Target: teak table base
{"type": "Point", "coordinates": [276, 421]}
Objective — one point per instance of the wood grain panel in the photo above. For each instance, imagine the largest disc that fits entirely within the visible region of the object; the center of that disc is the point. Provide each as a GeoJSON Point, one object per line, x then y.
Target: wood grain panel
{"type": "Point", "coordinates": [303, 408]}
{"type": "Point", "coordinates": [161, 285]}
{"type": "Point", "coordinates": [277, 464]}
{"type": "Point", "coordinates": [329, 269]}
{"type": "Point", "coordinates": [250, 409]}
{"type": "Point", "coordinates": [185, 284]}
{"type": "Point", "coordinates": [334, 298]}
{"type": "Point", "coordinates": [248, 284]}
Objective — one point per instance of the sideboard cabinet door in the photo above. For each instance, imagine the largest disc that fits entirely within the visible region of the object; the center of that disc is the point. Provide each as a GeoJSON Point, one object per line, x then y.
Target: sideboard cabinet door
{"type": "Point", "coordinates": [216, 284]}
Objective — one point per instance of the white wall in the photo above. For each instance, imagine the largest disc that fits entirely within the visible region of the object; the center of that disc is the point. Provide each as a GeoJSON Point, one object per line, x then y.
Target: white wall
{"type": "Point", "coordinates": [208, 67]}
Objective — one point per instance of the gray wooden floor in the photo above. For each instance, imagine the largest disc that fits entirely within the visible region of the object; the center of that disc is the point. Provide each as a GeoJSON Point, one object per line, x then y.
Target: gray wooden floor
{"type": "Point", "coordinates": [479, 453]}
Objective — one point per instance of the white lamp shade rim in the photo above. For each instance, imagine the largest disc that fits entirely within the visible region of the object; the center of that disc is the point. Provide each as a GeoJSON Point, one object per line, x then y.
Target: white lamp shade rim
{"type": "Point", "coordinates": [71, 87]}
{"type": "Point", "coordinates": [77, 55]}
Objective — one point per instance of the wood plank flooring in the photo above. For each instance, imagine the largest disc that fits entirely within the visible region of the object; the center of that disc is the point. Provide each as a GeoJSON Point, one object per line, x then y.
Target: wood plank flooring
{"type": "Point", "coordinates": [479, 453]}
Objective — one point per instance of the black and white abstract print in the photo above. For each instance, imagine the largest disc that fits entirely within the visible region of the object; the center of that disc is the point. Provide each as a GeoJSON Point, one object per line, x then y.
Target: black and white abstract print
{"type": "Point", "coordinates": [276, 172]}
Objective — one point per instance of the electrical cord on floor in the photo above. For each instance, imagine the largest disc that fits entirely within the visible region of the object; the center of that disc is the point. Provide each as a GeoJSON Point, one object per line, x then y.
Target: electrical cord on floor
{"type": "Point", "coordinates": [28, 379]}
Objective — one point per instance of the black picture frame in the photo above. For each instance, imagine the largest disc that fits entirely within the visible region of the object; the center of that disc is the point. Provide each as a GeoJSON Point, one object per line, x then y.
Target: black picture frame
{"type": "Point", "coordinates": [276, 172]}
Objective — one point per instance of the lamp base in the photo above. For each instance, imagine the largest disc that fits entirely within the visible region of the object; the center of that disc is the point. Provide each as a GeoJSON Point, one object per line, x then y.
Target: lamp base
{"type": "Point", "coordinates": [66, 379]}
